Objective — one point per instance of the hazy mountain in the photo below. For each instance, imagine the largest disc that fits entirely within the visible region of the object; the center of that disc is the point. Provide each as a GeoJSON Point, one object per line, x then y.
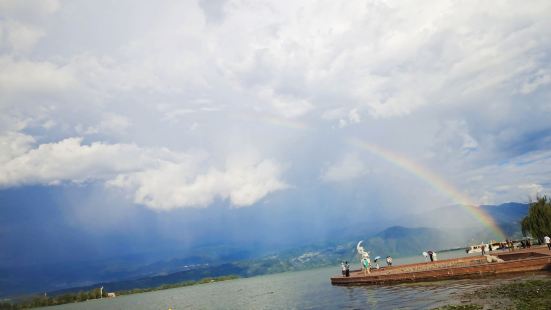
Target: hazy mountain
{"type": "Point", "coordinates": [506, 215]}
{"type": "Point", "coordinates": [396, 241]}
{"type": "Point", "coordinates": [443, 228]}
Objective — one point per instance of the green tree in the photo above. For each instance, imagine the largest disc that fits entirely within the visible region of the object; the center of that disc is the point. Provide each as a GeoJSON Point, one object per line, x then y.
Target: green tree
{"type": "Point", "coordinates": [538, 221]}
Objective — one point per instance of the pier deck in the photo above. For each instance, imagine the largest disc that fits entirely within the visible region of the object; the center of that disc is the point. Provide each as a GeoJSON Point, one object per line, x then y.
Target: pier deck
{"type": "Point", "coordinates": [519, 260]}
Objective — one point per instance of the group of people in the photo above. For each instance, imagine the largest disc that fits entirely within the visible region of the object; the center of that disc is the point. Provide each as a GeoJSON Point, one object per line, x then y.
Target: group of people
{"type": "Point", "coordinates": [527, 243]}
{"type": "Point", "coordinates": [366, 264]}
{"type": "Point", "coordinates": [345, 269]}
{"type": "Point", "coordinates": [484, 246]}
{"type": "Point", "coordinates": [511, 244]}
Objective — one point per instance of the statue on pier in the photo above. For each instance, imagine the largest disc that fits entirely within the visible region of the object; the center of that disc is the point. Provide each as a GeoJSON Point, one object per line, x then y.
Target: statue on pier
{"type": "Point", "coordinates": [361, 251]}
{"type": "Point", "coordinates": [364, 261]}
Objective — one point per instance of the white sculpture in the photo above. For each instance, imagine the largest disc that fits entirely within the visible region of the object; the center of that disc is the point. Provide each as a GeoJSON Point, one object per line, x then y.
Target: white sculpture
{"type": "Point", "coordinates": [365, 262]}
{"type": "Point", "coordinates": [426, 256]}
{"type": "Point", "coordinates": [363, 253]}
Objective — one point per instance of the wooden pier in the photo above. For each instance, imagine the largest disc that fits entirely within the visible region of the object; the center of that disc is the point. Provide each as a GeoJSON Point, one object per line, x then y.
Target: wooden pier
{"type": "Point", "coordinates": [519, 260]}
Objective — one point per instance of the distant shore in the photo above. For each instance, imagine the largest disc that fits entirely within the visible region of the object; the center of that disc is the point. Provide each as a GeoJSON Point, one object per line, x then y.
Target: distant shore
{"type": "Point", "coordinates": [43, 301]}
{"type": "Point", "coordinates": [176, 285]}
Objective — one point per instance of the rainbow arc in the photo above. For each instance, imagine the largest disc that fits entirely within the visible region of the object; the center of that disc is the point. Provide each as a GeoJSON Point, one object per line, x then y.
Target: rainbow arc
{"type": "Point", "coordinates": [434, 181]}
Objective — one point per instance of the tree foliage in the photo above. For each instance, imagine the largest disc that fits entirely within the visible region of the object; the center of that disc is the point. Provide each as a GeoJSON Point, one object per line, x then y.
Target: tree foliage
{"type": "Point", "coordinates": [538, 221]}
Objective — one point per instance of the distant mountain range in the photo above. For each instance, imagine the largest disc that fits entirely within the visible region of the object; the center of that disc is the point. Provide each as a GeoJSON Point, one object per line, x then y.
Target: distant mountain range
{"type": "Point", "coordinates": [458, 217]}
{"type": "Point", "coordinates": [442, 228]}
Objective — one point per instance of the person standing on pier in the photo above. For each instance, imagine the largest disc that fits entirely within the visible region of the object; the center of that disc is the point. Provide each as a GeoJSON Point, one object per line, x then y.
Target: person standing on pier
{"type": "Point", "coordinates": [430, 253]}
{"type": "Point", "coordinates": [547, 242]}
{"type": "Point", "coordinates": [389, 260]}
{"type": "Point", "coordinates": [365, 265]}
{"type": "Point", "coordinates": [347, 269]}
{"type": "Point", "coordinates": [343, 268]}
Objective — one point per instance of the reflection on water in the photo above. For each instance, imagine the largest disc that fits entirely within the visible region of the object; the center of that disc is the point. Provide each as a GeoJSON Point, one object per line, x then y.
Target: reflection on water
{"type": "Point", "coordinates": [302, 290]}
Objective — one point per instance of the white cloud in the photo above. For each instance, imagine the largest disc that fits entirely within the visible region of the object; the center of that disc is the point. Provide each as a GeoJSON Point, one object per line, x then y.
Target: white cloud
{"type": "Point", "coordinates": [26, 78]}
{"type": "Point", "coordinates": [157, 178]}
{"type": "Point", "coordinates": [348, 168]}
{"type": "Point", "coordinates": [20, 37]}
{"type": "Point", "coordinates": [175, 185]}
{"type": "Point", "coordinates": [344, 118]}
{"type": "Point", "coordinates": [521, 178]}
{"type": "Point", "coordinates": [14, 144]}
{"type": "Point", "coordinates": [19, 29]}
{"type": "Point", "coordinates": [375, 58]}
{"type": "Point", "coordinates": [286, 106]}
{"type": "Point", "coordinates": [468, 83]}
{"type": "Point", "coordinates": [67, 160]}
{"type": "Point", "coordinates": [532, 190]}
{"type": "Point", "coordinates": [110, 124]}
{"type": "Point", "coordinates": [540, 78]}
{"type": "Point", "coordinates": [22, 7]}
{"type": "Point", "coordinates": [454, 140]}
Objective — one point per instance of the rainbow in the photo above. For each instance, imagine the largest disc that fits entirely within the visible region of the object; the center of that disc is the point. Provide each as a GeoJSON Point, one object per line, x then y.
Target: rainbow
{"type": "Point", "coordinates": [433, 180]}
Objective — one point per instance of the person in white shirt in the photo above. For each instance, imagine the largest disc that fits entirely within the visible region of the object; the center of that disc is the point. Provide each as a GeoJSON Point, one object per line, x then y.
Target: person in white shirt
{"type": "Point", "coordinates": [547, 242]}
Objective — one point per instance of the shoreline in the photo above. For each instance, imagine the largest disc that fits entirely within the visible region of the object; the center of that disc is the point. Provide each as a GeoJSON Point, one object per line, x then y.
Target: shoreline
{"type": "Point", "coordinates": [83, 296]}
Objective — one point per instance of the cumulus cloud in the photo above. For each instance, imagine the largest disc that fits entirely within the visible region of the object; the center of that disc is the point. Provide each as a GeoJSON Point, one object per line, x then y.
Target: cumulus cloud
{"type": "Point", "coordinates": [344, 118]}
{"type": "Point", "coordinates": [348, 168]}
{"type": "Point", "coordinates": [66, 160]}
{"type": "Point", "coordinates": [286, 106]}
{"type": "Point", "coordinates": [157, 178]}
{"type": "Point", "coordinates": [24, 78]}
{"type": "Point", "coordinates": [110, 124]}
{"type": "Point", "coordinates": [298, 57]}
{"type": "Point", "coordinates": [19, 31]}
{"type": "Point", "coordinates": [173, 185]}
{"type": "Point", "coordinates": [468, 84]}
{"type": "Point", "coordinates": [20, 37]}
{"type": "Point", "coordinates": [14, 144]}
{"type": "Point", "coordinates": [519, 179]}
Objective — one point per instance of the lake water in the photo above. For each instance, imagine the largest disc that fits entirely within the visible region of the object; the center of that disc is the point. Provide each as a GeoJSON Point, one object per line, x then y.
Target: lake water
{"type": "Point", "coordinates": [303, 290]}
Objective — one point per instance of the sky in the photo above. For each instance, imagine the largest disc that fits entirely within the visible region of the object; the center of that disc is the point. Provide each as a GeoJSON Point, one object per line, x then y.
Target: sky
{"type": "Point", "coordinates": [130, 126]}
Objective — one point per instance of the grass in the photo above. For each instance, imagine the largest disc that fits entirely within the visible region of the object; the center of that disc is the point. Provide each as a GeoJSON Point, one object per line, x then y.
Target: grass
{"type": "Point", "coordinates": [524, 295]}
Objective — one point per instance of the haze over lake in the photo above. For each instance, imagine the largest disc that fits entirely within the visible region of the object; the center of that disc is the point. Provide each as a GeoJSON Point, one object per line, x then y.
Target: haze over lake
{"type": "Point", "coordinates": [305, 290]}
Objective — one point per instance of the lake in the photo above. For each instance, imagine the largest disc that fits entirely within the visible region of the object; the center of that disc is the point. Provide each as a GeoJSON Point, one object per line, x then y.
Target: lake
{"type": "Point", "coordinates": [309, 289]}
